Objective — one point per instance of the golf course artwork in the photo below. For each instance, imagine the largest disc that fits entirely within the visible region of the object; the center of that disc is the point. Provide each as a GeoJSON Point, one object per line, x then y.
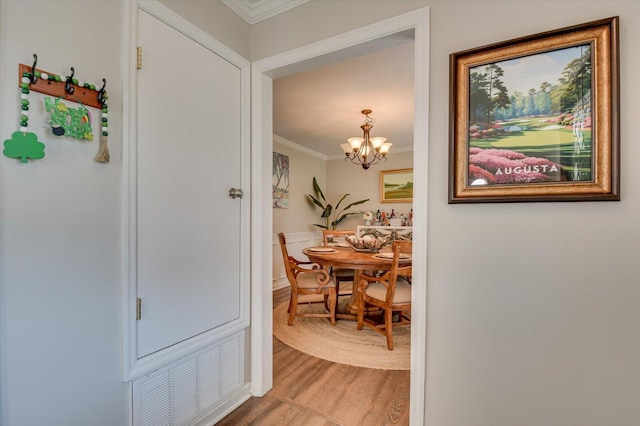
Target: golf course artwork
{"type": "Point", "coordinates": [530, 119]}
{"type": "Point", "coordinates": [533, 119]}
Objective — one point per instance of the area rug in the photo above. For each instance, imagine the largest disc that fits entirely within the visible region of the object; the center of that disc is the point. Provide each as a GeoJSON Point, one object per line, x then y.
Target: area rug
{"type": "Point", "coordinates": [342, 343]}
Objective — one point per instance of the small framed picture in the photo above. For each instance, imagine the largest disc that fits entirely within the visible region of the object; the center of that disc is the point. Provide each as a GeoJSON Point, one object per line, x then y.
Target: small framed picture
{"type": "Point", "coordinates": [280, 185]}
{"type": "Point", "coordinates": [396, 186]}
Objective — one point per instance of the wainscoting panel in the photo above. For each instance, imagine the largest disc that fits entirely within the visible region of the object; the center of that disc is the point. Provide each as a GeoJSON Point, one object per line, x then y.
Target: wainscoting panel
{"type": "Point", "coordinates": [296, 241]}
{"type": "Point", "coordinates": [190, 388]}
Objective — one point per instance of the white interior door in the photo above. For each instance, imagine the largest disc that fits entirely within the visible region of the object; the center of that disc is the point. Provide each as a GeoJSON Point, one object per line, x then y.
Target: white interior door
{"type": "Point", "coordinates": [188, 157]}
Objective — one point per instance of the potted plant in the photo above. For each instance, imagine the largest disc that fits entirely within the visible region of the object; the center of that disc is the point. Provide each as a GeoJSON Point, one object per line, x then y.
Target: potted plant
{"type": "Point", "coordinates": [327, 209]}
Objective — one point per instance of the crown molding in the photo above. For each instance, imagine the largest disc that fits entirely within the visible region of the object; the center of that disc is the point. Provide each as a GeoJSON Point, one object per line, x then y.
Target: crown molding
{"type": "Point", "coordinates": [254, 11]}
{"type": "Point", "coordinates": [298, 147]}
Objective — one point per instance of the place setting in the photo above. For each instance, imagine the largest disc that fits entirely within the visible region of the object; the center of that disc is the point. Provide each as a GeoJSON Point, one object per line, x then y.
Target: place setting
{"type": "Point", "coordinates": [322, 249]}
{"type": "Point", "coordinates": [389, 256]}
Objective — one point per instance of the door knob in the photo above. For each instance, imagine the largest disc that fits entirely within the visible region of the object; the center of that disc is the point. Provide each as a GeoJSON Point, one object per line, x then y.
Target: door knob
{"type": "Point", "coordinates": [235, 193]}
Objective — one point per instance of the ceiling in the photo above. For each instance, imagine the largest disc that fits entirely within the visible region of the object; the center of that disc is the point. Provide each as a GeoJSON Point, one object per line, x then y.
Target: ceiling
{"type": "Point", "coordinates": [317, 103]}
{"type": "Point", "coordinates": [320, 107]}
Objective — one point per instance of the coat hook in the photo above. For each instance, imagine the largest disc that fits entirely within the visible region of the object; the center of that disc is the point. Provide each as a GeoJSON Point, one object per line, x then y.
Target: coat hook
{"type": "Point", "coordinates": [101, 97]}
{"type": "Point", "coordinates": [33, 69]}
{"type": "Point", "coordinates": [68, 85]}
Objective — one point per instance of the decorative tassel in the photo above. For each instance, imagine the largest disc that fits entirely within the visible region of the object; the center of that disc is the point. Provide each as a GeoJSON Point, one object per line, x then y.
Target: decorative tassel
{"type": "Point", "coordinates": [103, 154]}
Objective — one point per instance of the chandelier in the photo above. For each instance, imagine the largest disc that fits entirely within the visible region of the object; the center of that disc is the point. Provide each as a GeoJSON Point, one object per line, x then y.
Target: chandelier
{"type": "Point", "coordinates": [366, 151]}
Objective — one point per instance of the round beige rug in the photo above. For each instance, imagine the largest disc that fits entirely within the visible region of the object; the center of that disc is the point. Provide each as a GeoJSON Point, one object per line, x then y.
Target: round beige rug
{"type": "Point", "coordinates": [342, 343]}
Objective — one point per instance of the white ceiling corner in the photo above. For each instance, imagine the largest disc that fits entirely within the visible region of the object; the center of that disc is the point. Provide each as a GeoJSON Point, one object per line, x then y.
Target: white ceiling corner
{"type": "Point", "coordinates": [254, 11]}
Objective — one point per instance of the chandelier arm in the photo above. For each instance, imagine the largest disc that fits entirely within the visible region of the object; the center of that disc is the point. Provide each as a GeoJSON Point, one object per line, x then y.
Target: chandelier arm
{"type": "Point", "coordinates": [370, 160]}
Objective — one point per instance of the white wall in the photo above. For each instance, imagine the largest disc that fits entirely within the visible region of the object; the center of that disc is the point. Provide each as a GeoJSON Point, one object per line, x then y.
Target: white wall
{"type": "Point", "coordinates": [61, 300]}
{"type": "Point", "coordinates": [532, 307]}
{"type": "Point", "coordinates": [60, 222]}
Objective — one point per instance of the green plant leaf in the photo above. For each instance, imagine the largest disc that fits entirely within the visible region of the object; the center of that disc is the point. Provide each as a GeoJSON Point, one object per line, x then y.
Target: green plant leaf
{"type": "Point", "coordinates": [328, 209]}
{"type": "Point", "coordinates": [343, 217]}
{"type": "Point", "coordinates": [341, 199]}
{"type": "Point", "coordinates": [316, 202]}
{"type": "Point", "coordinates": [355, 204]}
{"type": "Point", "coordinates": [316, 188]}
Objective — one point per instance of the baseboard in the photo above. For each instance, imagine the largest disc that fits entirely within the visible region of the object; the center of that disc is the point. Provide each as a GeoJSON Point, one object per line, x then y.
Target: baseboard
{"type": "Point", "coordinates": [278, 284]}
{"type": "Point", "coordinates": [222, 410]}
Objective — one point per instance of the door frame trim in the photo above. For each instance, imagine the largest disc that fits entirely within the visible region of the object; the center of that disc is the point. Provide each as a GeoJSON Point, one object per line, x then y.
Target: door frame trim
{"type": "Point", "coordinates": [132, 366]}
{"type": "Point", "coordinates": [261, 217]}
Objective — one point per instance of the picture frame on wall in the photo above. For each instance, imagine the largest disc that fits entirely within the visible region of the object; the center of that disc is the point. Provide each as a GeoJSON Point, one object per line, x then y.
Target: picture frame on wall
{"type": "Point", "coordinates": [396, 186]}
{"type": "Point", "coordinates": [537, 118]}
{"type": "Point", "coordinates": [280, 185]}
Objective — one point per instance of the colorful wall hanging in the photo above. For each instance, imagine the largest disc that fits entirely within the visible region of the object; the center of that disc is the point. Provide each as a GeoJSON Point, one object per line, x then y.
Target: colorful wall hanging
{"type": "Point", "coordinates": [67, 121]}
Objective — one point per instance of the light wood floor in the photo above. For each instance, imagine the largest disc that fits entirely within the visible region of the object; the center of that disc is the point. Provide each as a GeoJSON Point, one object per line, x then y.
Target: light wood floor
{"type": "Point", "coordinates": [309, 391]}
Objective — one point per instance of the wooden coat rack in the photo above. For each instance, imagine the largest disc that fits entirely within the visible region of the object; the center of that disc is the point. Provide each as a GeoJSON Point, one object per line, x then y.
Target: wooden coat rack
{"type": "Point", "coordinates": [81, 94]}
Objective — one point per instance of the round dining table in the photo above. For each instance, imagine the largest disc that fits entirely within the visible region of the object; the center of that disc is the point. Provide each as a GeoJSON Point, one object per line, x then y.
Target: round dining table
{"type": "Point", "coordinates": [348, 258]}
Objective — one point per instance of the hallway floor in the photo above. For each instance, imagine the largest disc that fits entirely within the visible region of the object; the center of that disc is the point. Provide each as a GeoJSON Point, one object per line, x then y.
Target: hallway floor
{"type": "Point", "coordinates": [311, 391]}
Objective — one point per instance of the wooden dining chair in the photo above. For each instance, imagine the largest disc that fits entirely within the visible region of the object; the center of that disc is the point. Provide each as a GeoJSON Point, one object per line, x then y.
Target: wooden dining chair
{"type": "Point", "coordinates": [329, 235]}
{"type": "Point", "coordinates": [308, 278]}
{"type": "Point", "coordinates": [390, 292]}
{"type": "Point", "coordinates": [406, 246]}
{"type": "Point", "coordinates": [339, 274]}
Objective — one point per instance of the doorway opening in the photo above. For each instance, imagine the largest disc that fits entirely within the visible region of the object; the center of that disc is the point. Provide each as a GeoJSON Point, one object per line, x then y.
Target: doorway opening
{"type": "Point", "coordinates": [264, 72]}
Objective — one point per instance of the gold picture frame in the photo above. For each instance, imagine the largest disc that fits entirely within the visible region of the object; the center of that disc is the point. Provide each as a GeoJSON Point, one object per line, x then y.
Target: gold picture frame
{"type": "Point", "coordinates": [537, 118]}
{"type": "Point", "coordinates": [396, 186]}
